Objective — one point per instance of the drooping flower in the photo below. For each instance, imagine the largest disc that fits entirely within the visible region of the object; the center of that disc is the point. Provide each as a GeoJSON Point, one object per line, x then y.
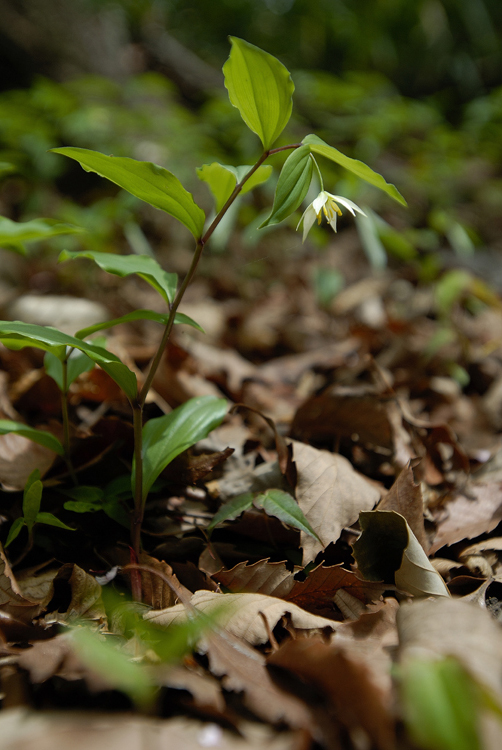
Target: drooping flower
{"type": "Point", "coordinates": [326, 204]}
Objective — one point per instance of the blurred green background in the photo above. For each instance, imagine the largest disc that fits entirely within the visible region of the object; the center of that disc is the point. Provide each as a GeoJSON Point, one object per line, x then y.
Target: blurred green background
{"type": "Point", "coordinates": [412, 87]}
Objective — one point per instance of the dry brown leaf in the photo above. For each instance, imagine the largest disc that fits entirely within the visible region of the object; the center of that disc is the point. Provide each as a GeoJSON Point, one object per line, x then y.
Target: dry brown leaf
{"type": "Point", "coordinates": [474, 510]}
{"type": "Point", "coordinates": [19, 457]}
{"type": "Point", "coordinates": [344, 411]}
{"type": "Point", "coordinates": [240, 614]}
{"type": "Point", "coordinates": [330, 493]}
{"type": "Point", "coordinates": [344, 683]}
{"type": "Point", "coordinates": [21, 729]}
{"type": "Point", "coordinates": [317, 593]}
{"type": "Point", "coordinates": [85, 596]}
{"type": "Point", "coordinates": [453, 627]}
{"type": "Point", "coordinates": [405, 497]}
{"type": "Point", "coordinates": [262, 577]}
{"type": "Point", "coordinates": [12, 600]}
{"type": "Point", "coordinates": [155, 591]}
{"type": "Point", "coordinates": [244, 670]}
{"type": "Point", "coordinates": [205, 690]}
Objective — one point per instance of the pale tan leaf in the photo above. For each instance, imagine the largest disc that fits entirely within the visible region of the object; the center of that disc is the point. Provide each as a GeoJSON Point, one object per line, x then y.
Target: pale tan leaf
{"type": "Point", "coordinates": [330, 493]}
{"type": "Point", "coordinates": [244, 671]}
{"type": "Point", "coordinates": [474, 510]}
{"type": "Point", "coordinates": [85, 592]}
{"type": "Point", "coordinates": [240, 614]}
{"type": "Point", "coordinates": [19, 457]}
{"type": "Point", "coordinates": [453, 627]}
{"type": "Point", "coordinates": [12, 600]}
{"type": "Point", "coordinates": [22, 729]}
{"type": "Point", "coordinates": [205, 690]}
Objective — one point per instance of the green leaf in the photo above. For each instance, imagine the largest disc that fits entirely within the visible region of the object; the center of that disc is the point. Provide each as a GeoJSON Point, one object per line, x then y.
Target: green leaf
{"type": "Point", "coordinates": [78, 363]}
{"type": "Point", "coordinates": [222, 179]}
{"type": "Point", "coordinates": [359, 168]}
{"type": "Point", "coordinates": [149, 182]}
{"type": "Point", "coordinates": [180, 318]}
{"type": "Point", "coordinates": [31, 499]}
{"type": "Point", "coordinates": [37, 436]}
{"type": "Point", "coordinates": [50, 520]}
{"type": "Point", "coordinates": [232, 509]}
{"type": "Point", "coordinates": [6, 168]}
{"type": "Point", "coordinates": [260, 87]}
{"type": "Point", "coordinates": [14, 235]}
{"type": "Point", "coordinates": [283, 506]}
{"type": "Point", "coordinates": [116, 667]}
{"type": "Point", "coordinates": [441, 704]}
{"type": "Point", "coordinates": [14, 530]}
{"type": "Point", "coordinates": [18, 335]}
{"type": "Point", "coordinates": [292, 186]}
{"type": "Point", "coordinates": [83, 506]}
{"type": "Point", "coordinates": [144, 266]}
{"type": "Point", "coordinates": [166, 437]}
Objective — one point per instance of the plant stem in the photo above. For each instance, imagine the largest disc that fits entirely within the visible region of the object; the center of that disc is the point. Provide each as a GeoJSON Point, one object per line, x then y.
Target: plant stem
{"type": "Point", "coordinates": [137, 519]}
{"type": "Point", "coordinates": [173, 308]}
{"type": "Point", "coordinates": [66, 422]}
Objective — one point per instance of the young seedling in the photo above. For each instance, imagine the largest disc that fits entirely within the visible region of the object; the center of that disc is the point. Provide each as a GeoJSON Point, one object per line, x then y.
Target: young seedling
{"type": "Point", "coordinates": [261, 88]}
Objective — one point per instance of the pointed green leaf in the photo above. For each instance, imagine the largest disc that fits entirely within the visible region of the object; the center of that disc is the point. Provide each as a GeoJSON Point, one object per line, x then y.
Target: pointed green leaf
{"type": "Point", "coordinates": [37, 436]}
{"type": "Point", "coordinates": [17, 335]}
{"type": "Point", "coordinates": [14, 235]}
{"type": "Point", "coordinates": [115, 666]}
{"type": "Point", "coordinates": [359, 168]}
{"type": "Point", "coordinates": [32, 496]}
{"type": "Point", "coordinates": [222, 179]}
{"type": "Point", "coordinates": [149, 182]}
{"type": "Point", "coordinates": [283, 506]}
{"type": "Point", "coordinates": [166, 437]}
{"type": "Point", "coordinates": [14, 530]}
{"type": "Point", "coordinates": [292, 186]}
{"type": "Point", "coordinates": [441, 704]}
{"type": "Point", "coordinates": [50, 520]}
{"type": "Point", "coordinates": [260, 87]}
{"type": "Point", "coordinates": [180, 318]}
{"type": "Point", "coordinates": [6, 168]}
{"type": "Point", "coordinates": [78, 363]}
{"type": "Point", "coordinates": [144, 266]}
{"type": "Point", "coordinates": [232, 509]}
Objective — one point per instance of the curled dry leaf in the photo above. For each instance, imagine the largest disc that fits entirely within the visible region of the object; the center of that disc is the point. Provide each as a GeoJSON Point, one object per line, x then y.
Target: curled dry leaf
{"type": "Point", "coordinates": [387, 550]}
{"type": "Point", "coordinates": [330, 493]}
{"type": "Point", "coordinates": [12, 600]}
{"type": "Point", "coordinates": [240, 614]}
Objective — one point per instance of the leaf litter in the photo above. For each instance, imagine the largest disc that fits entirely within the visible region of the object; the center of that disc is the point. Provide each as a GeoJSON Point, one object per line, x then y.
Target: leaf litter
{"type": "Point", "coordinates": [315, 636]}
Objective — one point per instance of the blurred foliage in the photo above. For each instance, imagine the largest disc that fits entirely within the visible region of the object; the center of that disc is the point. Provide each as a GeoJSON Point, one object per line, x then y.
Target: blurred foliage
{"type": "Point", "coordinates": [445, 47]}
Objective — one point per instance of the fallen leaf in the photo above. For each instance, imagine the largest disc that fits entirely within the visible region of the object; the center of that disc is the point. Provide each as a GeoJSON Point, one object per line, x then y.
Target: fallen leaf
{"type": "Point", "coordinates": [453, 627]}
{"type": "Point", "coordinates": [240, 614]}
{"type": "Point", "coordinates": [19, 457]}
{"type": "Point", "coordinates": [22, 729]}
{"type": "Point", "coordinates": [12, 600]}
{"type": "Point", "coordinates": [387, 550]}
{"type": "Point", "coordinates": [330, 493]}
{"type": "Point", "coordinates": [343, 682]}
{"type": "Point", "coordinates": [244, 670]}
{"type": "Point", "coordinates": [405, 497]}
{"type": "Point", "coordinates": [475, 509]}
